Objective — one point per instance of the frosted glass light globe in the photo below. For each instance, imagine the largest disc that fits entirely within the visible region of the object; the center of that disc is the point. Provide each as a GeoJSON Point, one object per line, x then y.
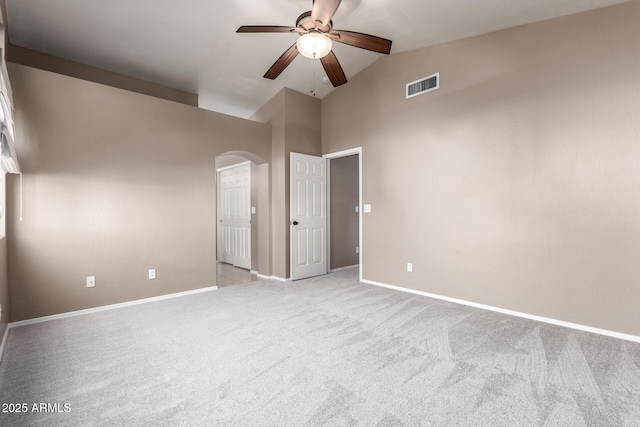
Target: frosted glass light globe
{"type": "Point", "coordinates": [314, 45]}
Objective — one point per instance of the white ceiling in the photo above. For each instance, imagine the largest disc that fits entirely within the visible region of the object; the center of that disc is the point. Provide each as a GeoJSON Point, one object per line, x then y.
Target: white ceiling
{"type": "Point", "coordinates": [192, 44]}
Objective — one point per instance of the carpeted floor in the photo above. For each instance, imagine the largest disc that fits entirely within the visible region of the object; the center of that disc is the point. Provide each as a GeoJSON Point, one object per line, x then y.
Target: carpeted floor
{"type": "Point", "coordinates": [322, 351]}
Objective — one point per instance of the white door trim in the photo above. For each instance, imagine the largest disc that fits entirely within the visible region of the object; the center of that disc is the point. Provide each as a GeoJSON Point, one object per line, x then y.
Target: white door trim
{"type": "Point", "coordinates": [336, 155]}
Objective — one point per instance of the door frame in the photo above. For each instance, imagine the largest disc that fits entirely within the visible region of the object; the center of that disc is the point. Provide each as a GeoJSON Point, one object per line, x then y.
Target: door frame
{"type": "Point", "coordinates": [337, 155]}
{"type": "Point", "coordinates": [219, 215]}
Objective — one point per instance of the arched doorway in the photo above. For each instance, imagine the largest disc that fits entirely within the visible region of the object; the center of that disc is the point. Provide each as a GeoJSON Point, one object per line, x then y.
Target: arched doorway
{"type": "Point", "coordinates": [242, 218]}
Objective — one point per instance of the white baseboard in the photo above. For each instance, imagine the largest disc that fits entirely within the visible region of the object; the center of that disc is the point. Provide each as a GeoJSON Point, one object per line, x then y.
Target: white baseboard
{"type": "Point", "coordinates": [4, 342]}
{"type": "Point", "coordinates": [108, 307]}
{"type": "Point", "coordinates": [279, 279]}
{"type": "Point", "coordinates": [348, 267]}
{"type": "Point", "coordinates": [512, 312]}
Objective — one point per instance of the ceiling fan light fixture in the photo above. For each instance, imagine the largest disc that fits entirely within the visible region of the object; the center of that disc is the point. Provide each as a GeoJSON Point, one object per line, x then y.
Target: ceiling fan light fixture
{"type": "Point", "coordinates": [314, 45]}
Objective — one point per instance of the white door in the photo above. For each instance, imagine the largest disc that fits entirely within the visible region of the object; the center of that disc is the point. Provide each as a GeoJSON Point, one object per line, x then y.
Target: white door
{"type": "Point", "coordinates": [308, 216]}
{"type": "Point", "coordinates": [234, 199]}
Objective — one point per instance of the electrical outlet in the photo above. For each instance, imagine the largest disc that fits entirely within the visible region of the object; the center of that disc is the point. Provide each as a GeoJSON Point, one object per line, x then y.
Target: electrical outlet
{"type": "Point", "coordinates": [367, 209]}
{"type": "Point", "coordinates": [409, 267]}
{"type": "Point", "coordinates": [91, 281]}
{"type": "Point", "coordinates": [152, 274]}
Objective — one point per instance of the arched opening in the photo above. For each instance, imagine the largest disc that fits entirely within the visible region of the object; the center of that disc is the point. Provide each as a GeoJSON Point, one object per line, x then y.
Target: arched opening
{"type": "Point", "coordinates": [243, 216]}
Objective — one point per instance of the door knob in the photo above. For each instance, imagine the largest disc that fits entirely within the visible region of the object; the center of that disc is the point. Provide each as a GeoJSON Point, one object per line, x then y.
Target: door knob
{"type": "Point", "coordinates": [295, 222]}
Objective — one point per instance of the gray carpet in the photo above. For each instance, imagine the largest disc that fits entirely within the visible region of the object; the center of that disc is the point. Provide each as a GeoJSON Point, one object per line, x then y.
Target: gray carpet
{"type": "Point", "coordinates": [323, 351]}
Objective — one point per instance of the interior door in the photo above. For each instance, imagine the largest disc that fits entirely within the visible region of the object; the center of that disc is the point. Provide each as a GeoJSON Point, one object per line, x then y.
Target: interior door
{"type": "Point", "coordinates": [308, 215]}
{"type": "Point", "coordinates": [235, 215]}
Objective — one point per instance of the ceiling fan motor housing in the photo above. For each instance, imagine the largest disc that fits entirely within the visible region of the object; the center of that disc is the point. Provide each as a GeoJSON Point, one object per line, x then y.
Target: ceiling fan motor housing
{"type": "Point", "coordinates": [305, 22]}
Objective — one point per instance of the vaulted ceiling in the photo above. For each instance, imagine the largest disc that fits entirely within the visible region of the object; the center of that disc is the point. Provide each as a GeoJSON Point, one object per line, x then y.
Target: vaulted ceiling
{"type": "Point", "coordinates": [192, 45]}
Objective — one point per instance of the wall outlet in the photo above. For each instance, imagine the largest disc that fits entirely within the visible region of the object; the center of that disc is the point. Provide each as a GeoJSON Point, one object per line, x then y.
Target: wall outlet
{"type": "Point", "coordinates": [152, 274]}
{"type": "Point", "coordinates": [253, 210]}
{"type": "Point", "coordinates": [409, 267]}
{"type": "Point", "coordinates": [91, 281]}
{"type": "Point", "coordinates": [367, 209]}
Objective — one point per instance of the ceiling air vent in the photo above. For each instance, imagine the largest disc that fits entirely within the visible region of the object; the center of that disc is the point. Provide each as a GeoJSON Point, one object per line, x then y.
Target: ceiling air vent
{"type": "Point", "coordinates": [424, 85]}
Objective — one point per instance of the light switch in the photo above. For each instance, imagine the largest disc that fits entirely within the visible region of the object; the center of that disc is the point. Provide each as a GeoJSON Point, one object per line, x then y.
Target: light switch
{"type": "Point", "coordinates": [367, 208]}
{"type": "Point", "coordinates": [357, 209]}
{"type": "Point", "coordinates": [253, 209]}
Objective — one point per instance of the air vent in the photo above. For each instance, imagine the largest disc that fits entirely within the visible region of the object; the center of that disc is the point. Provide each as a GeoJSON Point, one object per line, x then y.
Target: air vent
{"type": "Point", "coordinates": [424, 85]}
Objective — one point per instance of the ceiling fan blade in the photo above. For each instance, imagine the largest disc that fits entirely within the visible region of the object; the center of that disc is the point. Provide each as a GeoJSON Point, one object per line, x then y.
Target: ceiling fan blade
{"type": "Point", "coordinates": [323, 11]}
{"type": "Point", "coordinates": [363, 41]}
{"type": "Point", "coordinates": [282, 63]}
{"type": "Point", "coordinates": [265, 29]}
{"type": "Point", "coordinates": [333, 69]}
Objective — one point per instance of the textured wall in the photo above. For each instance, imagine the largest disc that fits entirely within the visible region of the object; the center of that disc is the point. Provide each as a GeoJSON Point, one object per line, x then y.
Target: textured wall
{"type": "Point", "coordinates": [515, 184]}
{"type": "Point", "coordinates": [344, 218]}
{"type": "Point", "coordinates": [115, 183]}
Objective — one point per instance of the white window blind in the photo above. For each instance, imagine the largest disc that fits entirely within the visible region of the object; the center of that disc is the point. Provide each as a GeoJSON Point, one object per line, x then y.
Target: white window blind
{"type": "Point", "coordinates": [8, 157]}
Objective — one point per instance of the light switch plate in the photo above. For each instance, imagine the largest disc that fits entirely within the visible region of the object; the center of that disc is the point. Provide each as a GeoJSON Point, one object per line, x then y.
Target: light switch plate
{"type": "Point", "coordinates": [367, 208]}
{"type": "Point", "coordinates": [253, 210]}
{"type": "Point", "coordinates": [91, 281]}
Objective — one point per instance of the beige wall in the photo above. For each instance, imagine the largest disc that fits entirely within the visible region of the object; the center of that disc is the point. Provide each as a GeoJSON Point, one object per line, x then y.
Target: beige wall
{"type": "Point", "coordinates": [115, 183]}
{"type": "Point", "coordinates": [254, 217]}
{"type": "Point", "coordinates": [227, 160]}
{"type": "Point", "coordinates": [4, 279]}
{"type": "Point", "coordinates": [344, 199]}
{"type": "Point", "coordinates": [264, 220]}
{"type": "Point", "coordinates": [4, 287]}
{"type": "Point", "coordinates": [273, 114]}
{"type": "Point", "coordinates": [517, 183]}
{"type": "Point", "coordinates": [295, 121]}
{"type": "Point", "coordinates": [4, 283]}
{"type": "Point", "coordinates": [32, 58]}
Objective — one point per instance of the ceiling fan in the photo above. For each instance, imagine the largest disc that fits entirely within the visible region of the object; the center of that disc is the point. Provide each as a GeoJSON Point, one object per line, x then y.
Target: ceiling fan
{"type": "Point", "coordinates": [316, 34]}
